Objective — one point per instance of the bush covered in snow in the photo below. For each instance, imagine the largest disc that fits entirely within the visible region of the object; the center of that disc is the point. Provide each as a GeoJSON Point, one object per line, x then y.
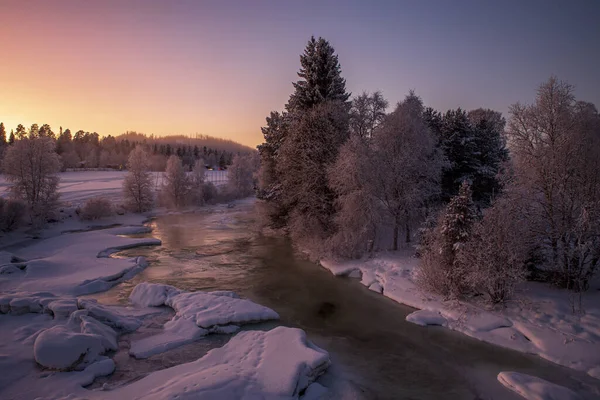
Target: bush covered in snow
{"type": "Point", "coordinates": [12, 213]}
{"type": "Point", "coordinates": [493, 259]}
{"type": "Point", "coordinates": [96, 208]}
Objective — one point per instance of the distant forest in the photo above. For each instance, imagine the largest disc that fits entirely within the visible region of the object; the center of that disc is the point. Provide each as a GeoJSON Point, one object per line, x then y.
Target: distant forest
{"type": "Point", "coordinates": [90, 150]}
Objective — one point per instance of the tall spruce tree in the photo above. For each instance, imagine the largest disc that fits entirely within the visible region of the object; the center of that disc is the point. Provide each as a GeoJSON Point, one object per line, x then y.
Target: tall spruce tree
{"type": "Point", "coordinates": [321, 77]}
{"type": "Point", "coordinates": [301, 143]}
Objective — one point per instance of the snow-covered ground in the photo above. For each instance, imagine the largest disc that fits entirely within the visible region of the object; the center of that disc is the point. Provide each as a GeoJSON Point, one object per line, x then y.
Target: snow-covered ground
{"type": "Point", "coordinates": [54, 342]}
{"type": "Point", "coordinates": [78, 186]}
{"type": "Point", "coordinates": [532, 388]}
{"type": "Point", "coordinates": [539, 321]}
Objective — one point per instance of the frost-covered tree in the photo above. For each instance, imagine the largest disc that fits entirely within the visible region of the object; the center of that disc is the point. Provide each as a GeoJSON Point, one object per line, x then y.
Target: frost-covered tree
{"type": "Point", "coordinates": [310, 147]}
{"type": "Point", "coordinates": [406, 165]}
{"type": "Point", "coordinates": [555, 144]}
{"type": "Point", "coordinates": [176, 185]}
{"type": "Point", "coordinates": [137, 185]}
{"type": "Point", "coordinates": [357, 215]}
{"type": "Point", "coordinates": [367, 113]}
{"type": "Point", "coordinates": [31, 167]}
{"type": "Point", "coordinates": [306, 139]}
{"type": "Point", "coordinates": [493, 259]}
{"type": "Point", "coordinates": [240, 175]}
{"type": "Point", "coordinates": [440, 270]}
{"type": "Point", "coordinates": [321, 75]}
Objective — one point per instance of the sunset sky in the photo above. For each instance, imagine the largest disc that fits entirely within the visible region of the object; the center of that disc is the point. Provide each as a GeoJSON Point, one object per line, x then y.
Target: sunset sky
{"type": "Point", "coordinates": [219, 67]}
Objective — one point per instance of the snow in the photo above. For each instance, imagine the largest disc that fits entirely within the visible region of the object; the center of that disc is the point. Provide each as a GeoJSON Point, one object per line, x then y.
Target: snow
{"type": "Point", "coordinates": [77, 186]}
{"type": "Point", "coordinates": [426, 317]}
{"type": "Point", "coordinates": [533, 388]}
{"type": "Point", "coordinates": [59, 348]}
{"type": "Point", "coordinates": [196, 315]}
{"type": "Point", "coordinates": [539, 321]}
{"type": "Point", "coordinates": [277, 364]}
{"type": "Point", "coordinates": [77, 263]}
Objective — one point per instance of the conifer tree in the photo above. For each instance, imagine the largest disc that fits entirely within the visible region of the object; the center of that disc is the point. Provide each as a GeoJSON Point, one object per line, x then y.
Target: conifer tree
{"type": "Point", "coordinates": [321, 77]}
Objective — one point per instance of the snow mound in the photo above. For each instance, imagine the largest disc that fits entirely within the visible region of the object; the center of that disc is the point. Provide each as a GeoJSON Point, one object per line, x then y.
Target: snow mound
{"type": "Point", "coordinates": [341, 269]}
{"type": "Point", "coordinates": [426, 317]}
{"type": "Point", "coordinates": [62, 349]}
{"type": "Point", "coordinates": [152, 294]}
{"type": "Point", "coordinates": [75, 263]}
{"type": "Point", "coordinates": [533, 388]}
{"type": "Point", "coordinates": [277, 364]}
{"type": "Point", "coordinates": [197, 314]}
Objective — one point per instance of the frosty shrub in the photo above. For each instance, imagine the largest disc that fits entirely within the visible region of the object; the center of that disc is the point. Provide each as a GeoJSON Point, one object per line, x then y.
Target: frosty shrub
{"type": "Point", "coordinates": [137, 185]}
{"type": "Point", "coordinates": [31, 167]}
{"type": "Point", "coordinates": [494, 256]}
{"type": "Point", "coordinates": [12, 213]}
{"type": "Point", "coordinates": [175, 190]}
{"type": "Point", "coordinates": [96, 208]}
{"type": "Point", "coordinates": [440, 270]}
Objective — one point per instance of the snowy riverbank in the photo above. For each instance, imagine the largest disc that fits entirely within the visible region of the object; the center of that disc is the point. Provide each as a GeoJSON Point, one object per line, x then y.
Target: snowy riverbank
{"type": "Point", "coordinates": [539, 320]}
{"type": "Point", "coordinates": [54, 343]}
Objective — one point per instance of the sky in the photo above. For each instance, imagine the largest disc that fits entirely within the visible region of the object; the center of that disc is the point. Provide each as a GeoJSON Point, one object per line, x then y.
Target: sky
{"type": "Point", "coordinates": [219, 67]}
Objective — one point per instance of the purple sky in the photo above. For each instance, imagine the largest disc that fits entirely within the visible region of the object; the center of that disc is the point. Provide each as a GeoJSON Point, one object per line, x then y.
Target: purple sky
{"type": "Point", "coordinates": [219, 67]}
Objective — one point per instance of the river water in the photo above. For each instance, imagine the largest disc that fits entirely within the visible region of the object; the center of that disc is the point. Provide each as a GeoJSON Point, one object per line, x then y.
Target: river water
{"type": "Point", "coordinates": [376, 354]}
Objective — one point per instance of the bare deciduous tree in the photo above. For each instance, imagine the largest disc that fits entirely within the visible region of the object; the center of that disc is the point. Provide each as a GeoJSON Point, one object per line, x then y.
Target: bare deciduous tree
{"type": "Point", "coordinates": [137, 185]}
{"type": "Point", "coordinates": [367, 113]}
{"type": "Point", "coordinates": [31, 166]}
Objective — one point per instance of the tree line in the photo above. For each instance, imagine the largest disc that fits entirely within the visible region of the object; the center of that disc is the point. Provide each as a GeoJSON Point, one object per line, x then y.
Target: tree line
{"type": "Point", "coordinates": [488, 203]}
{"type": "Point", "coordinates": [89, 150]}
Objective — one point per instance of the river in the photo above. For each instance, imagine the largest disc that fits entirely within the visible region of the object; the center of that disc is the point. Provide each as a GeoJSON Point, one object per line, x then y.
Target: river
{"type": "Point", "coordinates": [376, 354]}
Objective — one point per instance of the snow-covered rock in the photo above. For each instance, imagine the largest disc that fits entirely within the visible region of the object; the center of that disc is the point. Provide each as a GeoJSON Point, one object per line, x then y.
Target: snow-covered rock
{"type": "Point", "coordinates": [277, 364]}
{"type": "Point", "coordinates": [196, 314]}
{"type": "Point", "coordinates": [533, 388]}
{"type": "Point", "coordinates": [426, 317]}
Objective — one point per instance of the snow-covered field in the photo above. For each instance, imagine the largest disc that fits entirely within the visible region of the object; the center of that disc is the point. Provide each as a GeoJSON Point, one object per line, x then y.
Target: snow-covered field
{"type": "Point", "coordinates": [539, 321]}
{"type": "Point", "coordinates": [76, 187]}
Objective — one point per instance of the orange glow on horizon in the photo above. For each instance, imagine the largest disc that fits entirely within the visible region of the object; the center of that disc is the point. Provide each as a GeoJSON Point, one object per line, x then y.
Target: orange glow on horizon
{"type": "Point", "coordinates": [112, 69]}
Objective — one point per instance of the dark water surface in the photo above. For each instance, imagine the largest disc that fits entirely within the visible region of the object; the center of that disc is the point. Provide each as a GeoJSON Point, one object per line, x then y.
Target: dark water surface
{"type": "Point", "coordinates": [376, 354]}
